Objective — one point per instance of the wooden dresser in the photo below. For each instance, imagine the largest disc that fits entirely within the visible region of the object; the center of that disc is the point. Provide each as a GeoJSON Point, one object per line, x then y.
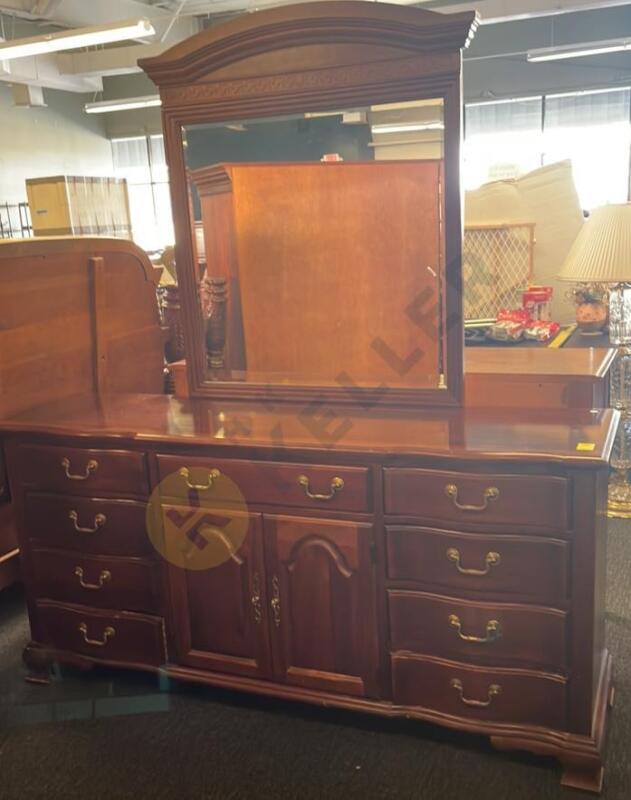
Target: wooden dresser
{"type": "Point", "coordinates": [446, 566]}
{"type": "Point", "coordinates": [325, 519]}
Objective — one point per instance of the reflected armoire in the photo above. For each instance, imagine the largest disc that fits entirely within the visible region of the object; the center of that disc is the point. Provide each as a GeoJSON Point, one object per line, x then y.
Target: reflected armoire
{"type": "Point", "coordinates": [324, 519]}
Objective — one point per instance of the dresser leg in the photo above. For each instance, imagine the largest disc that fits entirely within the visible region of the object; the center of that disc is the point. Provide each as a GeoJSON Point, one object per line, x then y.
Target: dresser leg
{"type": "Point", "coordinates": [39, 663]}
{"type": "Point", "coordinates": [588, 777]}
{"type": "Point", "coordinates": [580, 771]}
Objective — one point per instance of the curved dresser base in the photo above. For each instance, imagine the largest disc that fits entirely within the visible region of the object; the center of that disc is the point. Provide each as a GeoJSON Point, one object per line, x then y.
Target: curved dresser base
{"type": "Point", "coordinates": [581, 757]}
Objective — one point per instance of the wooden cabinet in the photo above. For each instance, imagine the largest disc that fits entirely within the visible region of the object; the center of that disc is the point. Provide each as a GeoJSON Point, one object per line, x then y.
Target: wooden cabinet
{"type": "Point", "coordinates": [322, 593]}
{"type": "Point", "coordinates": [220, 613]}
{"type": "Point", "coordinates": [295, 603]}
{"type": "Point", "coordinates": [287, 237]}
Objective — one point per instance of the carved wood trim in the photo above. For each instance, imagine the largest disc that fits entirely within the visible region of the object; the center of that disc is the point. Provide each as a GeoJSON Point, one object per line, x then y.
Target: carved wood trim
{"type": "Point", "coordinates": [339, 23]}
{"type": "Point", "coordinates": [215, 179]}
{"type": "Point", "coordinates": [297, 90]}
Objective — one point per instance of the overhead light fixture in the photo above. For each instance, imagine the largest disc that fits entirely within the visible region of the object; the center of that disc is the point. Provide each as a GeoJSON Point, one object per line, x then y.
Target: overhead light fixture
{"type": "Point", "coordinates": [136, 28]}
{"type": "Point", "coordinates": [579, 50]}
{"type": "Point", "coordinates": [124, 104]}
{"type": "Point", "coordinates": [406, 127]}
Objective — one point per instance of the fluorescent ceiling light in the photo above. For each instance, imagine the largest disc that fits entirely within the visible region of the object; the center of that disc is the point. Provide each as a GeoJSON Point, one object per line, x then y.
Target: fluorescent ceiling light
{"type": "Point", "coordinates": [124, 104]}
{"type": "Point", "coordinates": [78, 37]}
{"type": "Point", "coordinates": [404, 127]}
{"type": "Point", "coordinates": [507, 100]}
{"type": "Point", "coordinates": [579, 50]}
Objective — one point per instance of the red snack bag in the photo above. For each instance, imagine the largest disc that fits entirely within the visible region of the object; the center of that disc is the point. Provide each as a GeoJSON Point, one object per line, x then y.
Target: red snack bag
{"type": "Point", "coordinates": [506, 330]}
{"type": "Point", "coordinates": [521, 315]}
{"type": "Point", "coordinates": [542, 330]}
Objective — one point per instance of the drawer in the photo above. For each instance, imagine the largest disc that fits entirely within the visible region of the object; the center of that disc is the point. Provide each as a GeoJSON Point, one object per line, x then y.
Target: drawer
{"type": "Point", "coordinates": [87, 525]}
{"type": "Point", "coordinates": [129, 584]}
{"type": "Point", "coordinates": [532, 568]}
{"type": "Point", "coordinates": [515, 696]}
{"type": "Point", "coordinates": [113, 636]}
{"type": "Point", "coordinates": [267, 482]}
{"type": "Point", "coordinates": [445, 499]}
{"type": "Point", "coordinates": [500, 633]}
{"type": "Point", "coordinates": [73, 470]}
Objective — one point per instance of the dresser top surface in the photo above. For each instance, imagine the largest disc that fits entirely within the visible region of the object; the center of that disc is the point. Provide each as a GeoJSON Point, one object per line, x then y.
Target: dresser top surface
{"type": "Point", "coordinates": [579, 436]}
{"type": "Point", "coordinates": [577, 363]}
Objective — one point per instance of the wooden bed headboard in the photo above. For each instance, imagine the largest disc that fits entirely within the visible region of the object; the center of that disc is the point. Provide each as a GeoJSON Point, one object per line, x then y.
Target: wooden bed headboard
{"type": "Point", "coordinates": [76, 315]}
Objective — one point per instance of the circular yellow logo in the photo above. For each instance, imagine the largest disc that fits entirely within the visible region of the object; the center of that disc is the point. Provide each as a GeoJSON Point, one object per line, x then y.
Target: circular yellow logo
{"type": "Point", "coordinates": [197, 518]}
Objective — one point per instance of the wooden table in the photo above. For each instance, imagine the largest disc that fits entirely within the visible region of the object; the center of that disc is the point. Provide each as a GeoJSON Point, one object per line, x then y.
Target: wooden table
{"type": "Point", "coordinates": [572, 377]}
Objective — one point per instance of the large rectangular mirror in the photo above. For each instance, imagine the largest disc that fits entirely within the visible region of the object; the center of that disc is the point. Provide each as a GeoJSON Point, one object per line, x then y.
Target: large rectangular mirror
{"type": "Point", "coordinates": [319, 244]}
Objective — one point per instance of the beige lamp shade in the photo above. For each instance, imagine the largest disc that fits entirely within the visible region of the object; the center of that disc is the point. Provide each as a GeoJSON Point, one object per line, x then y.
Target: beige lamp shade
{"type": "Point", "coordinates": [601, 252]}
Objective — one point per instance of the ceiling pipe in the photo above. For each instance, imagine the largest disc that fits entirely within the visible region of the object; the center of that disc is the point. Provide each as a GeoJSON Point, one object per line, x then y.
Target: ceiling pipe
{"type": "Point", "coordinates": [173, 20]}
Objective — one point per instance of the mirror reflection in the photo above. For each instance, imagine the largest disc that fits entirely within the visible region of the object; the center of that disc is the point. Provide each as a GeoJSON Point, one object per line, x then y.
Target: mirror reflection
{"type": "Point", "coordinates": [318, 239]}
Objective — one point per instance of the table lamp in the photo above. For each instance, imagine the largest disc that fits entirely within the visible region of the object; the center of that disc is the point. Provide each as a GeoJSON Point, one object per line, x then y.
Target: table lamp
{"type": "Point", "coordinates": [601, 254]}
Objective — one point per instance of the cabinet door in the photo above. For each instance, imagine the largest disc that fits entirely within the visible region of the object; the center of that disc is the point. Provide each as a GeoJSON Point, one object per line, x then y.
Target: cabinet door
{"type": "Point", "coordinates": [220, 613]}
{"type": "Point", "coordinates": [322, 607]}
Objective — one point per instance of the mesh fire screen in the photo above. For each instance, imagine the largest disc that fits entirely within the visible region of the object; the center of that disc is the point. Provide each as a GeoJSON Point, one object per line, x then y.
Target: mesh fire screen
{"type": "Point", "coordinates": [497, 267]}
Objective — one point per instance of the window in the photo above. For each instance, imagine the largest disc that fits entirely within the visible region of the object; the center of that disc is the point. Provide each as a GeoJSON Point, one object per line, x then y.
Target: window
{"type": "Point", "coordinates": [505, 139]}
{"type": "Point", "coordinates": [141, 161]}
{"type": "Point", "coordinates": [593, 130]}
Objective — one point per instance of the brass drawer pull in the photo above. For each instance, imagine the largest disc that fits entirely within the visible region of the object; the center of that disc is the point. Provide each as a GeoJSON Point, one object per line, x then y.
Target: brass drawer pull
{"type": "Point", "coordinates": [491, 493]}
{"type": "Point", "coordinates": [104, 577]}
{"type": "Point", "coordinates": [108, 633]}
{"type": "Point", "coordinates": [491, 559]}
{"type": "Point", "coordinates": [275, 601]}
{"type": "Point", "coordinates": [337, 484]}
{"type": "Point", "coordinates": [90, 467]}
{"type": "Point", "coordinates": [213, 474]}
{"type": "Point", "coordinates": [494, 690]}
{"type": "Point", "coordinates": [256, 598]}
{"type": "Point", "coordinates": [99, 521]}
{"type": "Point", "coordinates": [493, 631]}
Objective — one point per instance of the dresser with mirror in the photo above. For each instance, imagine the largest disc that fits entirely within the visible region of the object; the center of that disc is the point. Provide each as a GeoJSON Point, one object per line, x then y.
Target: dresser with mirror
{"type": "Point", "coordinates": [324, 519]}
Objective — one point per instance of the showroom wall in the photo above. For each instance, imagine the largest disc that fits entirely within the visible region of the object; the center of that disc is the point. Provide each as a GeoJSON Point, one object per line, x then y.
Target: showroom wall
{"type": "Point", "coordinates": [60, 139]}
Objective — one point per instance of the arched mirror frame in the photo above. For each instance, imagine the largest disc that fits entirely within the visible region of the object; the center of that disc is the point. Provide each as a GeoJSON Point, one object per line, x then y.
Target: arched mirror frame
{"type": "Point", "coordinates": [238, 70]}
